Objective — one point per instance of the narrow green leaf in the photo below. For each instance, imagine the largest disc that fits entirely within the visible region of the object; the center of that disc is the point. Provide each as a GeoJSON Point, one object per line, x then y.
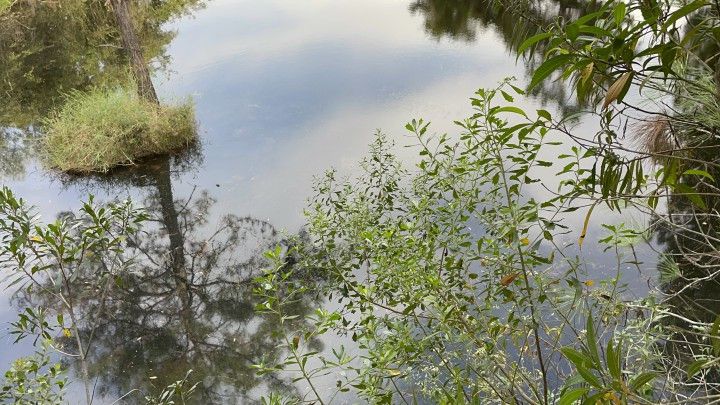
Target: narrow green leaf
{"type": "Point", "coordinates": [715, 336]}
{"type": "Point", "coordinates": [511, 109]}
{"type": "Point", "coordinates": [695, 367]}
{"type": "Point", "coordinates": [701, 173]}
{"type": "Point", "coordinates": [587, 17]}
{"type": "Point", "coordinates": [682, 12]}
{"type": "Point", "coordinates": [518, 90]}
{"type": "Point", "coordinates": [547, 68]}
{"type": "Point", "coordinates": [592, 340]}
{"type": "Point", "coordinates": [619, 13]}
{"type": "Point", "coordinates": [612, 357]}
{"type": "Point", "coordinates": [544, 114]}
{"type": "Point", "coordinates": [532, 41]}
{"type": "Point", "coordinates": [570, 396]}
{"type": "Point", "coordinates": [591, 378]}
{"type": "Point", "coordinates": [642, 379]}
{"type": "Point", "coordinates": [691, 194]}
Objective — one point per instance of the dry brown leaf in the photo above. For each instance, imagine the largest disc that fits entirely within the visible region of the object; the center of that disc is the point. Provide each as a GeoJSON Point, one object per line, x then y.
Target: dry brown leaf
{"type": "Point", "coordinates": [587, 72]}
{"type": "Point", "coordinates": [616, 88]}
{"type": "Point", "coordinates": [508, 278]}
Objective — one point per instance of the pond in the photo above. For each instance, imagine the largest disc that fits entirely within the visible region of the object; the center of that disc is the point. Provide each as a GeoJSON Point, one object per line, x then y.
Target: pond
{"type": "Point", "coordinates": [283, 90]}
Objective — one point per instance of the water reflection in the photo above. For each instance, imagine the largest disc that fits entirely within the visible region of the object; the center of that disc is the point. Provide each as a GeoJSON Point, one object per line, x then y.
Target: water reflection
{"type": "Point", "coordinates": [185, 304]}
{"type": "Point", "coordinates": [16, 147]}
{"type": "Point", "coordinates": [291, 90]}
{"type": "Point", "coordinates": [462, 20]}
{"type": "Point", "coordinates": [51, 48]}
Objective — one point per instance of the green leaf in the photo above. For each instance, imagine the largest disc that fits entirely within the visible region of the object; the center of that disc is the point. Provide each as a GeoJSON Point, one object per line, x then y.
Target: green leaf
{"type": "Point", "coordinates": [589, 377]}
{"type": "Point", "coordinates": [511, 109]}
{"type": "Point", "coordinates": [642, 379]}
{"type": "Point", "coordinates": [572, 31]}
{"type": "Point", "coordinates": [714, 336]}
{"type": "Point", "coordinates": [586, 18]}
{"type": "Point", "coordinates": [682, 12]}
{"type": "Point", "coordinates": [695, 367]}
{"type": "Point", "coordinates": [701, 173]}
{"type": "Point", "coordinates": [532, 41]}
{"type": "Point", "coordinates": [587, 72]}
{"type": "Point", "coordinates": [518, 90]}
{"type": "Point", "coordinates": [594, 31]}
{"type": "Point", "coordinates": [570, 396]}
{"type": "Point", "coordinates": [612, 356]}
{"type": "Point", "coordinates": [690, 194]}
{"type": "Point", "coordinates": [592, 340]}
{"type": "Point", "coordinates": [577, 358]}
{"type": "Point", "coordinates": [547, 68]}
{"type": "Point", "coordinates": [619, 12]}
{"type": "Point", "coordinates": [544, 114]}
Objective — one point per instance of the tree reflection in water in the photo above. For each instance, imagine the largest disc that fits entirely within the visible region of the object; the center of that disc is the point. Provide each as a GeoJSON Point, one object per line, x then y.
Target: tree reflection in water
{"type": "Point", "coordinates": [463, 20]}
{"type": "Point", "coordinates": [185, 303]}
{"type": "Point", "coordinates": [16, 146]}
{"type": "Point", "coordinates": [49, 48]}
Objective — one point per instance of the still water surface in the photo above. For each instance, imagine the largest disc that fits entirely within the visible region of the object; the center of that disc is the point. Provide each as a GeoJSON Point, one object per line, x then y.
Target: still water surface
{"type": "Point", "coordinates": [284, 89]}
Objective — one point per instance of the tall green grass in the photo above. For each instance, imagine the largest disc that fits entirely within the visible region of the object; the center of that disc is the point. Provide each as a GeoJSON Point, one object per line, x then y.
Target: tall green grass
{"type": "Point", "coordinates": [5, 5]}
{"type": "Point", "coordinates": [97, 130]}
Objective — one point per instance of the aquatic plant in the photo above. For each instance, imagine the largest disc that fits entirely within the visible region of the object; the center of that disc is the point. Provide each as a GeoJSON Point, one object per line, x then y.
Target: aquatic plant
{"type": "Point", "coordinates": [100, 129]}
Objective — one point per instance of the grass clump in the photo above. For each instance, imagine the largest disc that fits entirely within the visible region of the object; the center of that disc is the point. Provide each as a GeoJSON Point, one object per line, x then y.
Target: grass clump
{"type": "Point", "coordinates": [103, 128]}
{"type": "Point", "coordinates": [5, 5]}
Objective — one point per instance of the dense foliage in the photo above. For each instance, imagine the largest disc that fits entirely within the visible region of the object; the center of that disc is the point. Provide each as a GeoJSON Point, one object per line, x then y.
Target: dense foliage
{"type": "Point", "coordinates": [459, 285]}
{"type": "Point", "coordinates": [462, 281]}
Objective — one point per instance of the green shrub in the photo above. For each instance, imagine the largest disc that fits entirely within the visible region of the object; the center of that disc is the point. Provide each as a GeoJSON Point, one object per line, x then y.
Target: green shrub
{"type": "Point", "coordinates": [454, 282]}
{"type": "Point", "coordinates": [97, 130]}
{"type": "Point", "coordinates": [34, 380]}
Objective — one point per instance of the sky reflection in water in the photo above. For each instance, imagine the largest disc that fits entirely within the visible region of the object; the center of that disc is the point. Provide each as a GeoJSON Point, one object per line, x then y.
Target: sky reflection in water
{"type": "Point", "coordinates": [287, 89]}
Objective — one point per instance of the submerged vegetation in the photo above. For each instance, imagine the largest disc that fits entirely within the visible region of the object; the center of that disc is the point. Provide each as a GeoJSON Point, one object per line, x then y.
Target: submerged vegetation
{"type": "Point", "coordinates": [97, 130]}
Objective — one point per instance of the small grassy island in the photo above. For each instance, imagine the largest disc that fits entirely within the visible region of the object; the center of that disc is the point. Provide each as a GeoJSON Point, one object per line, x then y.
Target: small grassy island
{"type": "Point", "coordinates": [100, 129]}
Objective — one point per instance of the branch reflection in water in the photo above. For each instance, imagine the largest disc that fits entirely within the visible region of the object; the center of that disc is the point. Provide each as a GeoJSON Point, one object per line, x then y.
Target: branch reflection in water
{"type": "Point", "coordinates": [185, 301]}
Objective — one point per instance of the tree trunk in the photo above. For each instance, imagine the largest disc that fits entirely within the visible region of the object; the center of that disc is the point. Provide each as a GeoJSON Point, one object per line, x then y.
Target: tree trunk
{"type": "Point", "coordinates": [131, 43]}
{"type": "Point", "coordinates": [177, 248]}
{"type": "Point", "coordinates": [170, 220]}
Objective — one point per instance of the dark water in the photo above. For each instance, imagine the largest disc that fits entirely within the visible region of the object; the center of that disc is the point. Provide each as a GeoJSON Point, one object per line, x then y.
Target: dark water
{"type": "Point", "coordinates": [283, 90]}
